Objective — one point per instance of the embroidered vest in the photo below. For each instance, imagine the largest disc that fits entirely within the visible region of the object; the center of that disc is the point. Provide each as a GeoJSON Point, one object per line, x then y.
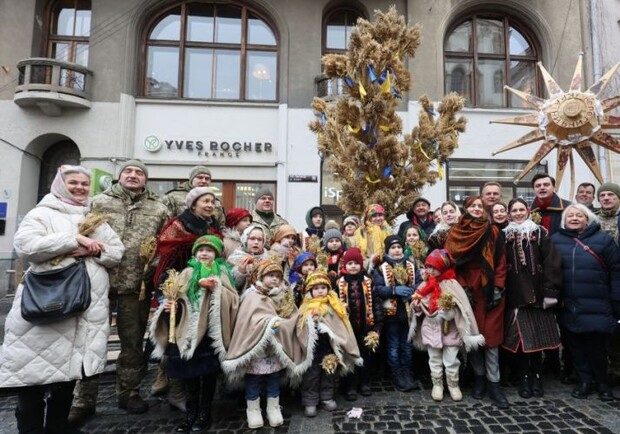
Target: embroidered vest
{"type": "Point", "coordinates": [402, 274]}
{"type": "Point", "coordinates": [343, 291]}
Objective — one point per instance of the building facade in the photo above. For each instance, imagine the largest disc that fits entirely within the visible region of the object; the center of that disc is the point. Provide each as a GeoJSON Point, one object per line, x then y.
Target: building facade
{"type": "Point", "coordinates": [229, 84]}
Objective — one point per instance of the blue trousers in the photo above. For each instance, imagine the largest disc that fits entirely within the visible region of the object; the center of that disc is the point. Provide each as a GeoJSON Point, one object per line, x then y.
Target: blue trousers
{"type": "Point", "coordinates": [399, 351]}
{"type": "Point", "coordinates": [253, 385]}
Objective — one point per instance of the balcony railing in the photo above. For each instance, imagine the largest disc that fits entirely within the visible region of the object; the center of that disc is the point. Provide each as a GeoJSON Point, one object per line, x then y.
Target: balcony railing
{"type": "Point", "coordinates": [52, 84]}
{"type": "Point", "coordinates": [328, 88]}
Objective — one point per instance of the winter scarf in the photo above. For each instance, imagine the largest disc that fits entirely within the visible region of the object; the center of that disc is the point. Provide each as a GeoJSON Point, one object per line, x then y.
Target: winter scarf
{"type": "Point", "coordinates": [432, 287]}
{"type": "Point", "coordinates": [321, 305]}
{"type": "Point", "coordinates": [201, 271]}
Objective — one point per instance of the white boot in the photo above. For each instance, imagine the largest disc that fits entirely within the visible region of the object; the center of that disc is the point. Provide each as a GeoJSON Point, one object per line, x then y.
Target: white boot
{"type": "Point", "coordinates": [453, 387]}
{"type": "Point", "coordinates": [437, 392]}
{"type": "Point", "coordinates": [255, 417]}
{"type": "Point", "coordinates": [274, 415]}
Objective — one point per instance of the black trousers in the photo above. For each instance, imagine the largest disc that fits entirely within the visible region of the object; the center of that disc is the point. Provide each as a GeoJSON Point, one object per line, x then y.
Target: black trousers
{"type": "Point", "coordinates": [31, 414]}
{"type": "Point", "coordinates": [589, 352]}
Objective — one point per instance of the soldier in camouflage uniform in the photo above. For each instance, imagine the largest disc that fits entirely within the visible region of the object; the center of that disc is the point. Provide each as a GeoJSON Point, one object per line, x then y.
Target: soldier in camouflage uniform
{"type": "Point", "coordinates": [200, 176]}
{"type": "Point", "coordinates": [609, 215]}
{"type": "Point", "coordinates": [135, 214]}
{"type": "Point", "coordinates": [265, 216]}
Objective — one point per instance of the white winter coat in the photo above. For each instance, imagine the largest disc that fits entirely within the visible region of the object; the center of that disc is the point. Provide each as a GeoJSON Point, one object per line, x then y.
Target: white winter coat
{"type": "Point", "coordinates": [45, 354]}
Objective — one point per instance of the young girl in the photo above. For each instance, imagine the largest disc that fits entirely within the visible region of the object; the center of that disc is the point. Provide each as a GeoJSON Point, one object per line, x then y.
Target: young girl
{"type": "Point", "coordinates": [336, 346]}
{"type": "Point", "coordinates": [332, 254]}
{"type": "Point", "coordinates": [312, 236]}
{"type": "Point", "coordinates": [349, 225]}
{"type": "Point", "coordinates": [395, 280]}
{"type": "Point", "coordinates": [366, 317]}
{"type": "Point", "coordinates": [284, 246]}
{"type": "Point", "coordinates": [266, 340]}
{"type": "Point", "coordinates": [370, 235]}
{"type": "Point", "coordinates": [304, 264]}
{"type": "Point", "coordinates": [237, 220]}
{"type": "Point", "coordinates": [206, 313]}
{"type": "Point", "coordinates": [415, 241]}
{"type": "Point", "coordinates": [448, 322]}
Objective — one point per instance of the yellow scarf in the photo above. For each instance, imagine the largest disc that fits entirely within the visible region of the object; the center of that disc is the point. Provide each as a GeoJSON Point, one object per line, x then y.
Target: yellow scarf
{"type": "Point", "coordinates": [320, 306]}
{"type": "Point", "coordinates": [370, 238]}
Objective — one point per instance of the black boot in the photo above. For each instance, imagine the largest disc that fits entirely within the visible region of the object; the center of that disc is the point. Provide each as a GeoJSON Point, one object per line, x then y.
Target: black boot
{"type": "Point", "coordinates": [30, 423]}
{"type": "Point", "coordinates": [525, 386]}
{"type": "Point", "coordinates": [497, 395]}
{"type": "Point", "coordinates": [207, 392]}
{"type": "Point", "coordinates": [400, 380]}
{"type": "Point", "coordinates": [192, 393]}
{"type": "Point", "coordinates": [480, 385]}
{"type": "Point", "coordinates": [190, 418]}
{"type": "Point", "coordinates": [537, 386]}
{"type": "Point", "coordinates": [203, 422]}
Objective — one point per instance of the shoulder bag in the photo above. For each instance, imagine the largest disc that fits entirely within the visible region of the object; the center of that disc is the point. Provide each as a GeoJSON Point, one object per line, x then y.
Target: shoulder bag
{"type": "Point", "coordinates": [50, 296]}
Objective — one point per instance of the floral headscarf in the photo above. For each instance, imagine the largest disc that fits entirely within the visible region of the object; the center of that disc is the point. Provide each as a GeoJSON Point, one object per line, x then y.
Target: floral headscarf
{"type": "Point", "coordinates": [59, 188]}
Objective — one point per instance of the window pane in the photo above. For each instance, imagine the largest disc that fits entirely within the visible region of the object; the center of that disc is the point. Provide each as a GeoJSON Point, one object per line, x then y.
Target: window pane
{"type": "Point", "coordinates": [81, 55]}
{"type": "Point", "coordinates": [336, 37]}
{"type": "Point", "coordinates": [65, 19]}
{"type": "Point", "coordinates": [82, 22]}
{"type": "Point", "coordinates": [490, 36]}
{"type": "Point", "coordinates": [458, 77]}
{"type": "Point", "coordinates": [261, 77]}
{"type": "Point", "coordinates": [198, 73]}
{"type": "Point", "coordinates": [259, 32]}
{"type": "Point", "coordinates": [518, 45]}
{"type": "Point", "coordinates": [228, 25]}
{"type": "Point", "coordinates": [490, 83]}
{"type": "Point", "coordinates": [459, 193]}
{"type": "Point", "coordinates": [162, 71]}
{"type": "Point", "coordinates": [227, 66]}
{"type": "Point", "coordinates": [60, 51]}
{"type": "Point", "coordinates": [168, 28]}
{"type": "Point", "coordinates": [200, 23]}
{"type": "Point", "coordinates": [522, 77]}
{"type": "Point", "coordinates": [460, 39]}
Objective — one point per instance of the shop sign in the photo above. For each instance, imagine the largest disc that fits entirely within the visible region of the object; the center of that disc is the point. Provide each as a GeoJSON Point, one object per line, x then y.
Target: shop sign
{"type": "Point", "coordinates": [205, 147]}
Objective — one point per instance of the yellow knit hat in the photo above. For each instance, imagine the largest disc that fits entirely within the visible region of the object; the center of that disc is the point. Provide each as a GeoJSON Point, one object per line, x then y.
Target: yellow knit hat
{"type": "Point", "coordinates": [315, 278]}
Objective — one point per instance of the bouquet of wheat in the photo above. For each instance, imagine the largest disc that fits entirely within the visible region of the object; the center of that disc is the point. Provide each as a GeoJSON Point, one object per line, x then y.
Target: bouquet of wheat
{"type": "Point", "coordinates": [147, 253]}
{"type": "Point", "coordinates": [87, 227]}
{"type": "Point", "coordinates": [371, 340]}
{"type": "Point", "coordinates": [446, 302]}
{"type": "Point", "coordinates": [172, 290]}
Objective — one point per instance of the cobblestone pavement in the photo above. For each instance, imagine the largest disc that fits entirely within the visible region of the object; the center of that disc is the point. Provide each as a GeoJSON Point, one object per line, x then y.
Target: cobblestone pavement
{"type": "Point", "coordinates": [386, 411]}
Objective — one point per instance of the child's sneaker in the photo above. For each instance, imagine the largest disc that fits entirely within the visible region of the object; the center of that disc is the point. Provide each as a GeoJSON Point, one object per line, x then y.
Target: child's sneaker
{"type": "Point", "coordinates": [329, 405]}
{"type": "Point", "coordinates": [310, 410]}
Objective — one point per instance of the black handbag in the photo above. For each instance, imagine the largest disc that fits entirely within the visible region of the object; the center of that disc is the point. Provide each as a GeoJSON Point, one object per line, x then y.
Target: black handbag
{"type": "Point", "coordinates": [50, 296]}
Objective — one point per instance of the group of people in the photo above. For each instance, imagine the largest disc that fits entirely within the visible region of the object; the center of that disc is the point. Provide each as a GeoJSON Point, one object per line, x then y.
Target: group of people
{"type": "Point", "coordinates": [244, 297]}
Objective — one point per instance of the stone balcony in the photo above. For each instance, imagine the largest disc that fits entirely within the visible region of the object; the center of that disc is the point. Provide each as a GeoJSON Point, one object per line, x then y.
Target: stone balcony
{"type": "Point", "coordinates": [328, 88]}
{"type": "Point", "coordinates": [52, 85]}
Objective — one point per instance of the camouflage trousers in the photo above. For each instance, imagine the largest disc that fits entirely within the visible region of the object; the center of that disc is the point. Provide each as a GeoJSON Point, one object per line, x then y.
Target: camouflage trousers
{"type": "Point", "coordinates": [131, 320]}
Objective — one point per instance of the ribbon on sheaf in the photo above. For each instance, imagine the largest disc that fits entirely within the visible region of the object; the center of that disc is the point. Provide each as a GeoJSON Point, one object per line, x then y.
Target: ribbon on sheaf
{"type": "Point", "coordinates": [387, 172]}
{"type": "Point", "coordinates": [323, 118]}
{"type": "Point", "coordinates": [354, 130]}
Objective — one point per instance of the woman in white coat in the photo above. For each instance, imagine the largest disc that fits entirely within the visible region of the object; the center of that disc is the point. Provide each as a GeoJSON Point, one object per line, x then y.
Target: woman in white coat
{"type": "Point", "coordinates": [37, 359]}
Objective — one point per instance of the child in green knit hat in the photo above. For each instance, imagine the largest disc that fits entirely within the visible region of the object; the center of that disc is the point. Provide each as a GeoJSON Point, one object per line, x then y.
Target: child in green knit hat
{"type": "Point", "coordinates": [204, 301]}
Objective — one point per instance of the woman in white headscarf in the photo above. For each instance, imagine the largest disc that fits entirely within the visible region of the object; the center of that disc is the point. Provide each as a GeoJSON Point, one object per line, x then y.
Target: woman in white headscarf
{"type": "Point", "coordinates": [37, 359]}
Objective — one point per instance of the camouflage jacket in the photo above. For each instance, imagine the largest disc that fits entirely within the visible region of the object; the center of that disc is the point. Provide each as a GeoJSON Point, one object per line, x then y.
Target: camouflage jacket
{"type": "Point", "coordinates": [133, 220]}
{"type": "Point", "coordinates": [610, 220]}
{"type": "Point", "coordinates": [175, 201]}
{"type": "Point", "coordinates": [270, 229]}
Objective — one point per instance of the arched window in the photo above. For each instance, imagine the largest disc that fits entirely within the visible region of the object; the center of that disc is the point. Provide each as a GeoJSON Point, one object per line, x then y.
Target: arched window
{"type": "Point", "coordinates": [482, 53]}
{"type": "Point", "coordinates": [211, 50]}
{"type": "Point", "coordinates": [69, 30]}
{"type": "Point", "coordinates": [337, 26]}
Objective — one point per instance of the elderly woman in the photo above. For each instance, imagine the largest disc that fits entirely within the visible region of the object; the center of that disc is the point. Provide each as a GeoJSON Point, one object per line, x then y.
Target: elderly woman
{"type": "Point", "coordinates": [590, 295]}
{"type": "Point", "coordinates": [174, 243]}
{"type": "Point", "coordinates": [533, 284]}
{"type": "Point", "coordinates": [174, 249]}
{"type": "Point", "coordinates": [251, 252]}
{"type": "Point", "coordinates": [37, 359]}
{"type": "Point", "coordinates": [450, 214]}
{"type": "Point", "coordinates": [477, 246]}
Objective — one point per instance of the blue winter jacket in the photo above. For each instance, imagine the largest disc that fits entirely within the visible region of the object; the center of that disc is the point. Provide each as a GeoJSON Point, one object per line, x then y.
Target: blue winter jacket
{"type": "Point", "coordinates": [589, 286]}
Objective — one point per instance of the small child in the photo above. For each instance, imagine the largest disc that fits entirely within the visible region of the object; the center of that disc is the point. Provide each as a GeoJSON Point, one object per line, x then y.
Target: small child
{"type": "Point", "coordinates": [265, 341]}
{"type": "Point", "coordinates": [205, 313]}
{"type": "Point", "coordinates": [395, 280]}
{"type": "Point", "coordinates": [349, 225]}
{"type": "Point", "coordinates": [416, 248]}
{"type": "Point", "coordinates": [284, 246]}
{"type": "Point", "coordinates": [237, 220]}
{"type": "Point", "coordinates": [335, 347]}
{"type": "Point", "coordinates": [332, 254]}
{"type": "Point", "coordinates": [366, 317]}
{"type": "Point", "coordinates": [312, 236]}
{"type": "Point", "coordinates": [304, 264]}
{"type": "Point", "coordinates": [448, 323]}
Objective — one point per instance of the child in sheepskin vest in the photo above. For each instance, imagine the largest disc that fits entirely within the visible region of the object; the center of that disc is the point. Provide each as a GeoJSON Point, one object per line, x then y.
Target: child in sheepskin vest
{"type": "Point", "coordinates": [447, 322]}
{"type": "Point", "coordinates": [205, 314]}
{"type": "Point", "coordinates": [336, 346]}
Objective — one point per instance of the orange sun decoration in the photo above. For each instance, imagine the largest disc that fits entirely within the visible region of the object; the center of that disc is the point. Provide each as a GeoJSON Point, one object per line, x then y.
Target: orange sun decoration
{"type": "Point", "coordinates": [566, 121]}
